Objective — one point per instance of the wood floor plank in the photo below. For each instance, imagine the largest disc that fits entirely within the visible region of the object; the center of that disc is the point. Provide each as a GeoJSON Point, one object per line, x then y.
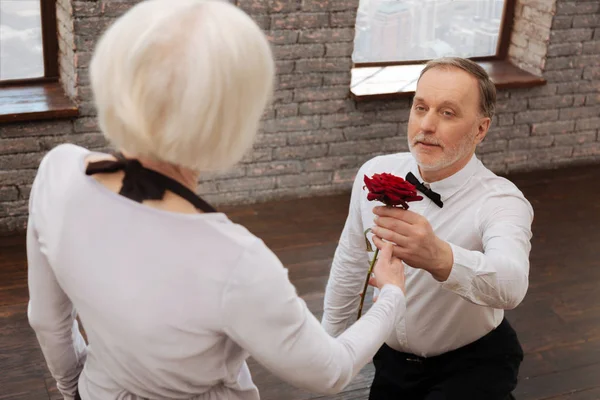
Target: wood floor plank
{"type": "Point", "coordinates": [35, 393]}
{"type": "Point", "coordinates": [560, 383]}
{"type": "Point", "coordinates": [587, 394]}
{"type": "Point", "coordinates": [22, 364]}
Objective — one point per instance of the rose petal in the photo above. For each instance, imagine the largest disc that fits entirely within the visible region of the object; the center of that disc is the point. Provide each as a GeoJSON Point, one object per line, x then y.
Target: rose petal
{"type": "Point", "coordinates": [390, 189]}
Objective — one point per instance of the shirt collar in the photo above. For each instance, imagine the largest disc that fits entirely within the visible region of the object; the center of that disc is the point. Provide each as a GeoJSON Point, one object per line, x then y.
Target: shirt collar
{"type": "Point", "coordinates": [450, 185]}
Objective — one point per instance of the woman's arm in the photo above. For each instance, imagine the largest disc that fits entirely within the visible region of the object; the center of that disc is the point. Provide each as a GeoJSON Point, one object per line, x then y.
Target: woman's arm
{"type": "Point", "coordinates": [52, 317]}
{"type": "Point", "coordinates": [265, 316]}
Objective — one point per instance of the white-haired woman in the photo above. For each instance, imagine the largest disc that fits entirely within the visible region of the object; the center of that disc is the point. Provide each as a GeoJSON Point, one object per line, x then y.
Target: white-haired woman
{"type": "Point", "coordinates": [174, 296]}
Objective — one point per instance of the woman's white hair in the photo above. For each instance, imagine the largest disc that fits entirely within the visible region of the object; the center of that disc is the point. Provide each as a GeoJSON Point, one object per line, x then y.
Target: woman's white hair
{"type": "Point", "coordinates": [183, 81]}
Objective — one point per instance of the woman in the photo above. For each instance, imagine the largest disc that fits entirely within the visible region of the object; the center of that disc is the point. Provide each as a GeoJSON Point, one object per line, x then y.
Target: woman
{"type": "Point", "coordinates": [173, 295]}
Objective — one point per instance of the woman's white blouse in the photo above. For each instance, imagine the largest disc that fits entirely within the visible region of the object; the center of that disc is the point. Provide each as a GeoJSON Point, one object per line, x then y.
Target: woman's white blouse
{"type": "Point", "coordinates": [172, 304]}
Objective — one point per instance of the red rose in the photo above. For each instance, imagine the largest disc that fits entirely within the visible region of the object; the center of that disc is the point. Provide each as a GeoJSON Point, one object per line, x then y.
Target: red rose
{"type": "Point", "coordinates": [391, 190]}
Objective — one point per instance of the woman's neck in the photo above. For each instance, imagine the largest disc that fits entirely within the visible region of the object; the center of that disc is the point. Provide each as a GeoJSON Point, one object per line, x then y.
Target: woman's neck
{"type": "Point", "coordinates": [185, 176]}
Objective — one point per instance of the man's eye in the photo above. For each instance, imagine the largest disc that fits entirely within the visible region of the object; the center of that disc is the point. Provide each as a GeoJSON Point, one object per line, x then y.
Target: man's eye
{"type": "Point", "coordinates": [420, 108]}
{"type": "Point", "coordinates": [448, 114]}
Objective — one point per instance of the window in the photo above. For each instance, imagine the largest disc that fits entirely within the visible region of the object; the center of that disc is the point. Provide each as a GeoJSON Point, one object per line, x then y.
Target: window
{"type": "Point", "coordinates": [394, 39]}
{"type": "Point", "coordinates": [21, 51]}
{"type": "Point", "coordinates": [390, 31]}
{"type": "Point", "coordinates": [28, 40]}
{"type": "Point", "coordinates": [29, 74]}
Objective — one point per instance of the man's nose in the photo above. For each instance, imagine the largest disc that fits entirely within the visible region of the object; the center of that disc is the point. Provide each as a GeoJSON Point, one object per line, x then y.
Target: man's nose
{"type": "Point", "coordinates": [428, 122]}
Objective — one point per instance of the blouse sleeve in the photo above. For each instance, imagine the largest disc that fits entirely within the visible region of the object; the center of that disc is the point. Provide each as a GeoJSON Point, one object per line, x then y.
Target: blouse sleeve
{"type": "Point", "coordinates": [265, 316]}
{"type": "Point", "coordinates": [51, 313]}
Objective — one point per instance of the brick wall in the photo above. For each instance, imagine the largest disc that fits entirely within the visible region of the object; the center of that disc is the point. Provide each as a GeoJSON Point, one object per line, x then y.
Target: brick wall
{"type": "Point", "coordinates": [314, 137]}
{"type": "Point", "coordinates": [531, 33]}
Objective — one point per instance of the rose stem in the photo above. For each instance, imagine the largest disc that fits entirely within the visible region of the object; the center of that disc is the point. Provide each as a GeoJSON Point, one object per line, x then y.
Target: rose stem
{"type": "Point", "coordinates": [364, 292]}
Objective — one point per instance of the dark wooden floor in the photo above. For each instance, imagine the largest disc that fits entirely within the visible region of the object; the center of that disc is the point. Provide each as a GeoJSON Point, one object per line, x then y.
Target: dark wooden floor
{"type": "Point", "coordinates": [558, 323]}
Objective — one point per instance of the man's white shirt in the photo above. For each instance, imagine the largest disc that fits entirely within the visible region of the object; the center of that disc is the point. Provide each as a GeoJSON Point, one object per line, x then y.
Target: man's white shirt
{"type": "Point", "coordinates": [486, 220]}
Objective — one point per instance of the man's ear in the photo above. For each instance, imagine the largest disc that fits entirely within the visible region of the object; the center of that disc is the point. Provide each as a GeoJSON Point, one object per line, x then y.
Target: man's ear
{"type": "Point", "coordinates": [482, 129]}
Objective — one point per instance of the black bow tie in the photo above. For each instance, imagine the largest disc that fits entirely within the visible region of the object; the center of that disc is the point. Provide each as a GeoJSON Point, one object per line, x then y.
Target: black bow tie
{"type": "Point", "coordinates": [435, 197]}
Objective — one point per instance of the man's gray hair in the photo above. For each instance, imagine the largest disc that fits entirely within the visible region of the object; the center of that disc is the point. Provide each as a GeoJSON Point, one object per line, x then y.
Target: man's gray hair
{"type": "Point", "coordinates": [487, 89]}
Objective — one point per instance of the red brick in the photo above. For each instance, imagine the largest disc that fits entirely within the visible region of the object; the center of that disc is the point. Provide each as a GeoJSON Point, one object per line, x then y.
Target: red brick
{"type": "Point", "coordinates": [282, 37]}
{"type": "Point", "coordinates": [286, 110]}
{"type": "Point", "coordinates": [321, 94]}
{"type": "Point", "coordinates": [315, 137]}
{"type": "Point", "coordinates": [296, 51]}
{"type": "Point", "coordinates": [291, 124]}
{"type": "Point", "coordinates": [327, 36]}
{"type": "Point", "coordinates": [343, 19]}
{"type": "Point", "coordinates": [371, 132]}
{"type": "Point", "coordinates": [290, 81]}
{"type": "Point", "coordinates": [275, 168]}
{"type": "Point", "coordinates": [325, 107]}
{"type": "Point", "coordinates": [301, 152]}
{"type": "Point", "coordinates": [304, 180]}
{"type": "Point", "coordinates": [339, 49]}
{"type": "Point", "coordinates": [575, 138]}
{"type": "Point", "coordinates": [324, 65]}
{"type": "Point", "coordinates": [336, 78]}
{"type": "Point", "coordinates": [254, 6]}
{"type": "Point", "coordinates": [588, 149]}
{"type": "Point", "coordinates": [284, 67]}
{"type": "Point", "coordinates": [300, 21]}
{"type": "Point", "coordinates": [545, 128]}
{"type": "Point", "coordinates": [329, 5]}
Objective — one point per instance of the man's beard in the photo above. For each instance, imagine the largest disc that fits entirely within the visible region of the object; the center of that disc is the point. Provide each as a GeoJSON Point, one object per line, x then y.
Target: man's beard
{"type": "Point", "coordinates": [449, 154]}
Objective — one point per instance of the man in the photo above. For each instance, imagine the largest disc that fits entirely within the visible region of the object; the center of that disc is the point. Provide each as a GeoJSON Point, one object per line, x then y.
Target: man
{"type": "Point", "coordinates": [465, 247]}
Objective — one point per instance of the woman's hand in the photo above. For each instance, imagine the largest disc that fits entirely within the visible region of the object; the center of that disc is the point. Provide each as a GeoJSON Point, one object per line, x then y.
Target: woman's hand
{"type": "Point", "coordinates": [388, 269]}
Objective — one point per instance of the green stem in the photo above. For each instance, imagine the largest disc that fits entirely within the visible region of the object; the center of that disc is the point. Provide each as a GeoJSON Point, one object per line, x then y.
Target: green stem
{"type": "Point", "coordinates": [364, 292]}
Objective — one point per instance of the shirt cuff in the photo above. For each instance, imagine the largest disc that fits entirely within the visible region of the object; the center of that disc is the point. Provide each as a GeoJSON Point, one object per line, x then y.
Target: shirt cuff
{"type": "Point", "coordinates": [461, 276]}
{"type": "Point", "coordinates": [389, 290]}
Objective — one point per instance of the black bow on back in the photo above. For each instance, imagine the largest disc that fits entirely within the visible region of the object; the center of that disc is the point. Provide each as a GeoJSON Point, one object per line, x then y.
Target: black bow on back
{"type": "Point", "coordinates": [435, 197]}
{"type": "Point", "coordinates": [140, 183]}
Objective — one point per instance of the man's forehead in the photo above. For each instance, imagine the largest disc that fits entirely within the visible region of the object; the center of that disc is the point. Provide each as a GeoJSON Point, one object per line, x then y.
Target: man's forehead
{"type": "Point", "coordinates": [446, 84]}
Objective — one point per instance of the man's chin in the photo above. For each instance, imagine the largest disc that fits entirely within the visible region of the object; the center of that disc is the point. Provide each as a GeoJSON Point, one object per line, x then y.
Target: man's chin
{"type": "Point", "coordinates": [425, 161]}
{"type": "Point", "coordinates": [429, 166]}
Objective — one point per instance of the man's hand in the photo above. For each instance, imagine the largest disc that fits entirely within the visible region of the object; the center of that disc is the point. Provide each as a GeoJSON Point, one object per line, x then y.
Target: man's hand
{"type": "Point", "coordinates": [416, 243]}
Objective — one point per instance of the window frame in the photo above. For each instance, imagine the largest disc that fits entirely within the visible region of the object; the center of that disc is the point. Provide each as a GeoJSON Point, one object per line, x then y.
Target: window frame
{"type": "Point", "coordinates": [43, 98]}
{"type": "Point", "coordinates": [49, 47]}
{"type": "Point", "coordinates": [506, 27]}
{"type": "Point", "coordinates": [503, 72]}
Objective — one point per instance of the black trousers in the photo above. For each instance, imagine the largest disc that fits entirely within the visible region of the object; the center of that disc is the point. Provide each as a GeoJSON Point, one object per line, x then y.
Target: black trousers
{"type": "Point", "coordinates": [486, 369]}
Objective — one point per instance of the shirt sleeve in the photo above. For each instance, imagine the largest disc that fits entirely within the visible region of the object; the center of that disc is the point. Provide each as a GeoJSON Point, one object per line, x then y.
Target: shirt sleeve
{"type": "Point", "coordinates": [52, 316]}
{"type": "Point", "coordinates": [498, 277]}
{"type": "Point", "coordinates": [265, 316]}
{"type": "Point", "coordinates": [348, 269]}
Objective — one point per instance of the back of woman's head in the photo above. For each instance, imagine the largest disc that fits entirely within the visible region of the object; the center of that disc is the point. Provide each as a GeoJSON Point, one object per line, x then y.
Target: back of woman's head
{"type": "Point", "coordinates": [183, 81]}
